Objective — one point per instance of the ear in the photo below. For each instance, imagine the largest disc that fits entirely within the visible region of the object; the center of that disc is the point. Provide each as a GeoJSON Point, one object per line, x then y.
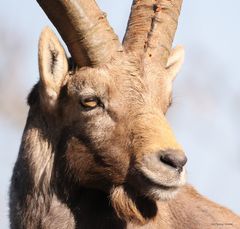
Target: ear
{"type": "Point", "coordinates": [175, 62]}
{"type": "Point", "coordinates": [53, 67]}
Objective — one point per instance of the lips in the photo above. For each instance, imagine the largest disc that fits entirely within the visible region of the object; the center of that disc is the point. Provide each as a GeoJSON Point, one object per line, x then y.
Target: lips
{"type": "Point", "coordinates": [146, 186]}
{"type": "Point", "coordinates": [152, 184]}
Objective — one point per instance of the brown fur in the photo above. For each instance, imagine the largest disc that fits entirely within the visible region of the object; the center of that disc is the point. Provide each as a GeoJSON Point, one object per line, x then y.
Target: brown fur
{"type": "Point", "coordinates": [82, 165]}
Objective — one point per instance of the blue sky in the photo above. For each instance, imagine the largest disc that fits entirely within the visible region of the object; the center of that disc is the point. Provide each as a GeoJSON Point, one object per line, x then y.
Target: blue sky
{"type": "Point", "coordinates": [205, 113]}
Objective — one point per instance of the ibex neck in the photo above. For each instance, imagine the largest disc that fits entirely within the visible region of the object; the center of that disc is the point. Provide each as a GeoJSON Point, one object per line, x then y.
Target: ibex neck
{"type": "Point", "coordinates": [31, 190]}
{"type": "Point", "coordinates": [92, 209]}
{"type": "Point", "coordinates": [37, 149]}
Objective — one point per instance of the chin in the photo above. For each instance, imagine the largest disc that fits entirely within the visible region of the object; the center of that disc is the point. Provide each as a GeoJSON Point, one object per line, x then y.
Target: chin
{"type": "Point", "coordinates": [159, 194]}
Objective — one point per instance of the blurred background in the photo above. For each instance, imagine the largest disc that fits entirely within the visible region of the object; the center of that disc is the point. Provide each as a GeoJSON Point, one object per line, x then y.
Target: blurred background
{"type": "Point", "coordinates": [206, 108]}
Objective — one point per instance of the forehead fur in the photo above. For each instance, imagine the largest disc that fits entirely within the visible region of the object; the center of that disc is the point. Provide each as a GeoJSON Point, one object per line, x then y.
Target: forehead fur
{"type": "Point", "coordinates": [110, 78]}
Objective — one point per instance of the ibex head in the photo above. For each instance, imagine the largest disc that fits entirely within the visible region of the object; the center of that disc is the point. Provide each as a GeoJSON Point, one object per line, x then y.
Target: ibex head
{"type": "Point", "coordinates": [108, 112]}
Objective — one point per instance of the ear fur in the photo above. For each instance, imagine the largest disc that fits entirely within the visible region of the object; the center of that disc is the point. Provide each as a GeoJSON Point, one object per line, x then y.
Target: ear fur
{"type": "Point", "coordinates": [53, 66]}
{"type": "Point", "coordinates": [175, 62]}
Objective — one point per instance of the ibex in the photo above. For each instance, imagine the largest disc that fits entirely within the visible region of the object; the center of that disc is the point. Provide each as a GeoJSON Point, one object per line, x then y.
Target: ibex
{"type": "Point", "coordinates": [97, 151]}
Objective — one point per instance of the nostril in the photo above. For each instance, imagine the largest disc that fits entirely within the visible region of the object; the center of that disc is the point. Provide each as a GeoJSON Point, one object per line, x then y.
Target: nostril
{"type": "Point", "coordinates": [174, 159]}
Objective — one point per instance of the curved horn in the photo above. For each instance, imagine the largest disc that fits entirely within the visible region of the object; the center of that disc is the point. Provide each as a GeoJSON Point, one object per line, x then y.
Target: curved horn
{"type": "Point", "coordinates": [151, 27]}
{"type": "Point", "coordinates": [84, 28]}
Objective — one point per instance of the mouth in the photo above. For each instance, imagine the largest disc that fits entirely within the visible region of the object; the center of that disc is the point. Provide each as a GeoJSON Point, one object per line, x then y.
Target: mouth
{"type": "Point", "coordinates": [157, 190]}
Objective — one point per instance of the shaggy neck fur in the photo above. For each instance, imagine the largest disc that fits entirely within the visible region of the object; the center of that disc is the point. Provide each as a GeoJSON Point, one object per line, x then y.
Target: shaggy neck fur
{"type": "Point", "coordinates": [31, 187]}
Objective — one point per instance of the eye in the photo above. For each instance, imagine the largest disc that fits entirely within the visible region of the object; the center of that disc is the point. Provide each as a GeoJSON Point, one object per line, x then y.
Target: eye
{"type": "Point", "coordinates": [90, 102]}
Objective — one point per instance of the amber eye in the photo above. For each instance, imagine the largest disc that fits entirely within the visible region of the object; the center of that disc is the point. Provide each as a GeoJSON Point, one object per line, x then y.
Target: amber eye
{"type": "Point", "coordinates": [90, 102]}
